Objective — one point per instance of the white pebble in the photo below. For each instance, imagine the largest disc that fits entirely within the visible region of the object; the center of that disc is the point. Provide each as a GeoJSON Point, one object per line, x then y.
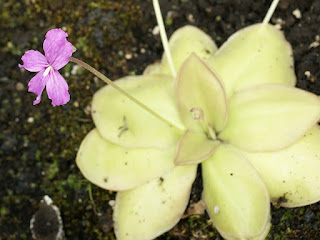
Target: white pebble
{"type": "Point", "coordinates": [297, 14]}
{"type": "Point", "coordinates": [30, 119]}
{"type": "Point", "coordinates": [112, 203]}
{"type": "Point", "coordinates": [74, 69]}
{"type": "Point", "coordinates": [156, 30]}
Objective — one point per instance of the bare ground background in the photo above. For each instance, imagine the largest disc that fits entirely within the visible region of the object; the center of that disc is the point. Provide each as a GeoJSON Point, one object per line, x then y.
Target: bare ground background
{"type": "Point", "coordinates": [38, 144]}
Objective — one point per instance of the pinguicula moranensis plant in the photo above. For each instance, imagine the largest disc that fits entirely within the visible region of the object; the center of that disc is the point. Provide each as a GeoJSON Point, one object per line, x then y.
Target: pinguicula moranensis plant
{"type": "Point", "coordinates": [234, 109]}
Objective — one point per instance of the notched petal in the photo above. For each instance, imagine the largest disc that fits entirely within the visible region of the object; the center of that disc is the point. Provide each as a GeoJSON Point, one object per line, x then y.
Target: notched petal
{"type": "Point", "coordinates": [270, 117]}
{"type": "Point", "coordinates": [57, 88]}
{"type": "Point", "coordinates": [148, 211]}
{"type": "Point", "coordinates": [57, 49]}
{"type": "Point", "coordinates": [292, 175]}
{"type": "Point", "coordinates": [198, 86]}
{"type": "Point", "coordinates": [236, 198]}
{"type": "Point", "coordinates": [194, 148]}
{"type": "Point", "coordinates": [117, 168]}
{"type": "Point", "coordinates": [37, 85]}
{"type": "Point", "coordinates": [33, 61]}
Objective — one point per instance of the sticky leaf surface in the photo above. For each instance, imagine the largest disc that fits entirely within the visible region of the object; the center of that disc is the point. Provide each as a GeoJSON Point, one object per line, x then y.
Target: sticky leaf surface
{"type": "Point", "coordinates": [236, 198]}
{"type": "Point", "coordinates": [254, 55]}
{"type": "Point", "coordinates": [270, 117]}
{"type": "Point", "coordinates": [114, 167]}
{"type": "Point", "coordinates": [292, 175]}
{"type": "Point", "coordinates": [182, 43]}
{"type": "Point", "coordinates": [121, 121]}
{"type": "Point", "coordinates": [197, 86]}
{"type": "Point", "coordinates": [148, 211]}
{"type": "Point", "coordinates": [194, 148]}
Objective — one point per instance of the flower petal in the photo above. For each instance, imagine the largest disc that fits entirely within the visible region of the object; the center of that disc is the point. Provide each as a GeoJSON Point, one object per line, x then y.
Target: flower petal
{"type": "Point", "coordinates": [57, 49]}
{"type": "Point", "coordinates": [199, 87]}
{"type": "Point", "coordinates": [182, 43]}
{"type": "Point", "coordinates": [33, 61]}
{"type": "Point", "coordinates": [194, 147]}
{"type": "Point", "coordinates": [258, 54]}
{"type": "Point", "coordinates": [36, 85]}
{"type": "Point", "coordinates": [292, 175]}
{"type": "Point", "coordinates": [122, 121]}
{"type": "Point", "coordinates": [57, 88]}
{"type": "Point", "coordinates": [270, 117]}
{"type": "Point", "coordinates": [236, 198]}
{"type": "Point", "coordinates": [148, 211]}
{"type": "Point", "coordinates": [118, 168]}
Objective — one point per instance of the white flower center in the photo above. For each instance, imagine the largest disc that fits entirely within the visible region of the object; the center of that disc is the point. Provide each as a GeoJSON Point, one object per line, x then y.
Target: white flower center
{"type": "Point", "coordinates": [46, 72]}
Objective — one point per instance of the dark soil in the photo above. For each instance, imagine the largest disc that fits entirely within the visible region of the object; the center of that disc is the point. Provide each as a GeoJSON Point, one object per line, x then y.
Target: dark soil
{"type": "Point", "coordinates": [38, 144]}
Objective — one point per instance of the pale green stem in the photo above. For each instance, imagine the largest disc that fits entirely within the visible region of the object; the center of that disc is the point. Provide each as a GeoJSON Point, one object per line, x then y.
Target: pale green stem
{"type": "Point", "coordinates": [108, 81]}
{"type": "Point", "coordinates": [270, 11]}
{"type": "Point", "coordinates": [163, 36]}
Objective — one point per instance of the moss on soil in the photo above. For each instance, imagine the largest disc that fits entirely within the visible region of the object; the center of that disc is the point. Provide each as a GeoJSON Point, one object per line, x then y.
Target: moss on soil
{"type": "Point", "coordinates": [38, 144]}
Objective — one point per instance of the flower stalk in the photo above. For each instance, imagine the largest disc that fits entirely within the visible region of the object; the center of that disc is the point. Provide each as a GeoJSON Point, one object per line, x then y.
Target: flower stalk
{"type": "Point", "coordinates": [270, 11]}
{"type": "Point", "coordinates": [163, 35]}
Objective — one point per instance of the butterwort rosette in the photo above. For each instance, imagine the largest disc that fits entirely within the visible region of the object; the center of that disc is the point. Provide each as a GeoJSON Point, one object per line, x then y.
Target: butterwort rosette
{"type": "Point", "coordinates": [57, 52]}
{"type": "Point", "coordinates": [235, 110]}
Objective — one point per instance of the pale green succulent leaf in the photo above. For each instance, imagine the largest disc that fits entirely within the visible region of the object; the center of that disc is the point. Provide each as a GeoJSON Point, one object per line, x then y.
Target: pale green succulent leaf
{"type": "Point", "coordinates": [123, 122]}
{"type": "Point", "coordinates": [235, 196]}
{"type": "Point", "coordinates": [199, 87]}
{"type": "Point", "coordinates": [148, 211]}
{"type": "Point", "coordinates": [270, 117]}
{"type": "Point", "coordinates": [194, 148]}
{"type": "Point", "coordinates": [116, 168]}
{"type": "Point", "coordinates": [262, 236]}
{"type": "Point", "coordinates": [182, 43]}
{"type": "Point", "coordinates": [292, 175]}
{"type": "Point", "coordinates": [258, 54]}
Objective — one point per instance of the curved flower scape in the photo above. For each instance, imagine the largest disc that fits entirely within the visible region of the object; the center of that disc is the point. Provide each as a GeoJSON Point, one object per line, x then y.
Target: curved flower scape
{"type": "Point", "coordinates": [235, 110]}
{"type": "Point", "coordinates": [57, 51]}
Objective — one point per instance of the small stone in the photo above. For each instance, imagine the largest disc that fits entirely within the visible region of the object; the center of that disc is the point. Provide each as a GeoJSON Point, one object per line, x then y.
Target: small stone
{"type": "Point", "coordinates": [297, 14]}
{"type": "Point", "coordinates": [128, 56]}
{"type": "Point", "coordinates": [142, 50]}
{"type": "Point", "coordinates": [20, 86]}
{"type": "Point", "coordinates": [87, 110]}
{"type": "Point", "coordinates": [316, 43]}
{"type": "Point", "coordinates": [75, 69]}
{"type": "Point", "coordinates": [76, 104]}
{"type": "Point", "coordinates": [156, 30]}
{"type": "Point", "coordinates": [190, 18]}
{"type": "Point", "coordinates": [30, 119]}
{"type": "Point", "coordinates": [112, 203]}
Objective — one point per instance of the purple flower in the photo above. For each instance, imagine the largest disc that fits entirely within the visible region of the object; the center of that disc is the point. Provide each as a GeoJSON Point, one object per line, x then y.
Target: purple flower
{"type": "Point", "coordinates": [57, 53]}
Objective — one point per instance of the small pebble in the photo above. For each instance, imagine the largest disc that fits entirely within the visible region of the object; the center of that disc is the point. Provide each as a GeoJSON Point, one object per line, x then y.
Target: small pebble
{"type": "Point", "coordinates": [142, 50]}
{"type": "Point", "coordinates": [128, 56]}
{"type": "Point", "coordinates": [112, 203]}
{"type": "Point", "coordinates": [20, 86]}
{"type": "Point", "coordinates": [297, 14]}
{"type": "Point", "coordinates": [30, 119]}
{"type": "Point", "coordinates": [74, 69]}
{"type": "Point", "coordinates": [156, 30]}
{"type": "Point", "coordinates": [76, 104]}
{"type": "Point", "coordinates": [190, 18]}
